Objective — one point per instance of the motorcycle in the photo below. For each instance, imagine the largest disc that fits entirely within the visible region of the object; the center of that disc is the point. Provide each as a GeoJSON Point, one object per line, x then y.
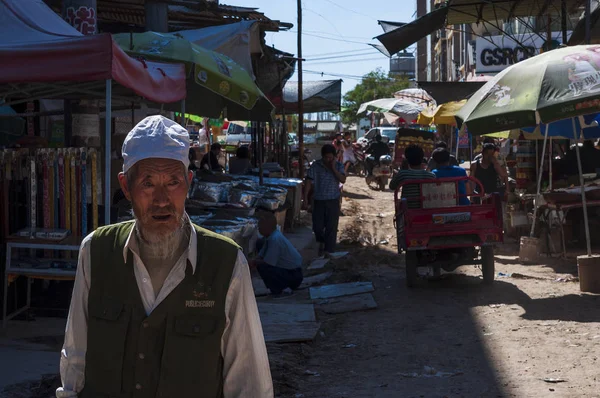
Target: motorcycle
{"type": "Point", "coordinates": [382, 172]}
{"type": "Point", "coordinates": [295, 162]}
{"type": "Point", "coordinates": [359, 168]}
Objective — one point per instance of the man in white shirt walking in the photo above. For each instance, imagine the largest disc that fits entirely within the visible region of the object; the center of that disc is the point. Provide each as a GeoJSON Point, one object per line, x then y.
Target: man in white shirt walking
{"type": "Point", "coordinates": [161, 307]}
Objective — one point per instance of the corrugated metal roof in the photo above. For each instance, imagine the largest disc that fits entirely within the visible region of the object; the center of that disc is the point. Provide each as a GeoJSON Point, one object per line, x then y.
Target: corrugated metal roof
{"type": "Point", "coordinates": [183, 14]}
{"type": "Point", "coordinates": [473, 11]}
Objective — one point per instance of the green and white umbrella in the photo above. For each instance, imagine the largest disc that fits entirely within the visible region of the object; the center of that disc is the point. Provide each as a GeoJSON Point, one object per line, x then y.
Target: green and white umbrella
{"type": "Point", "coordinates": [555, 85]}
{"type": "Point", "coordinates": [214, 80]}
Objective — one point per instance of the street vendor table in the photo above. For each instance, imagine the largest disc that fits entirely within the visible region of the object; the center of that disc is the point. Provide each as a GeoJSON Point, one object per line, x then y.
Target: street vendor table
{"type": "Point", "coordinates": [294, 197]}
{"type": "Point", "coordinates": [70, 243]}
{"type": "Point", "coordinates": [562, 210]}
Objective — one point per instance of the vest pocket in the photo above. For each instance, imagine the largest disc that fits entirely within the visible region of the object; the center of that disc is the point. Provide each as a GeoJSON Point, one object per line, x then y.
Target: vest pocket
{"type": "Point", "coordinates": [107, 332]}
{"type": "Point", "coordinates": [190, 363]}
{"type": "Point", "coordinates": [107, 309]}
{"type": "Point", "coordinates": [195, 326]}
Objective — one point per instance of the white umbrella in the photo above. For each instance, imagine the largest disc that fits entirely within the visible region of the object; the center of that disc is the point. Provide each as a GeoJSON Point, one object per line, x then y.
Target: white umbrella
{"type": "Point", "coordinates": [407, 110]}
{"type": "Point", "coordinates": [417, 95]}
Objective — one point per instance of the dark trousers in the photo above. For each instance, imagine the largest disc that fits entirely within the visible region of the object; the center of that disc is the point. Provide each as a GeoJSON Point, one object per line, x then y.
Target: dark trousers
{"type": "Point", "coordinates": [370, 162]}
{"type": "Point", "coordinates": [276, 279]}
{"type": "Point", "coordinates": [325, 218]}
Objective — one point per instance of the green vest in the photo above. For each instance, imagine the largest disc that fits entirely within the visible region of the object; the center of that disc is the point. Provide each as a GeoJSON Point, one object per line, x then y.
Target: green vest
{"type": "Point", "coordinates": [174, 352]}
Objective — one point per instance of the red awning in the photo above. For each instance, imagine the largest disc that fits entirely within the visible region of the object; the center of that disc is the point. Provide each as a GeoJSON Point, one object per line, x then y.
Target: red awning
{"type": "Point", "coordinates": [41, 48]}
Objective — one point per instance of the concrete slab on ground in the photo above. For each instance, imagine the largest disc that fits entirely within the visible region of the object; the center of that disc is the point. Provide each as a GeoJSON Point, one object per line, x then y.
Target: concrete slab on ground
{"type": "Point", "coordinates": [339, 305]}
{"type": "Point", "coordinates": [341, 289]}
{"type": "Point", "coordinates": [272, 313]}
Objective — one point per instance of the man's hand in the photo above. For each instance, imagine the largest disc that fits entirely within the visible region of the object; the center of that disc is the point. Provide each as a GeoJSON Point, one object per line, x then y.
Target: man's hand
{"type": "Point", "coordinates": [329, 163]}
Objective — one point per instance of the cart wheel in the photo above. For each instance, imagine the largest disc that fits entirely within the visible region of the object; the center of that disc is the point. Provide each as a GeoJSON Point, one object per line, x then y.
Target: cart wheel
{"type": "Point", "coordinates": [411, 261]}
{"type": "Point", "coordinates": [487, 264]}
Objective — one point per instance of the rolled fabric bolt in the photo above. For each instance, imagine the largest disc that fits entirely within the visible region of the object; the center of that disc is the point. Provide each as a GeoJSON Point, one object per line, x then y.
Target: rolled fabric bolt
{"type": "Point", "coordinates": [83, 193]}
{"type": "Point", "coordinates": [73, 206]}
{"type": "Point", "coordinates": [51, 203]}
{"type": "Point", "coordinates": [67, 191]}
{"type": "Point", "coordinates": [33, 190]}
{"type": "Point", "coordinates": [45, 190]}
{"type": "Point", "coordinates": [56, 190]}
{"type": "Point", "coordinates": [78, 184]}
{"type": "Point", "coordinates": [94, 190]}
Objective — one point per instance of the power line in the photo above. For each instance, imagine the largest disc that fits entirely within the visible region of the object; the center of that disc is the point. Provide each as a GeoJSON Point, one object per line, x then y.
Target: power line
{"type": "Point", "coordinates": [336, 53]}
{"type": "Point", "coordinates": [346, 61]}
{"type": "Point", "coordinates": [326, 20]}
{"type": "Point", "coordinates": [345, 56]}
{"type": "Point", "coordinates": [351, 10]}
{"type": "Point", "coordinates": [351, 77]}
{"type": "Point", "coordinates": [338, 35]}
{"type": "Point", "coordinates": [328, 38]}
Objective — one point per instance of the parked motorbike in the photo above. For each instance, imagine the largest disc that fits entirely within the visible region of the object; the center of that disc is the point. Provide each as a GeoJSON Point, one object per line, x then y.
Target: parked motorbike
{"type": "Point", "coordinates": [382, 172]}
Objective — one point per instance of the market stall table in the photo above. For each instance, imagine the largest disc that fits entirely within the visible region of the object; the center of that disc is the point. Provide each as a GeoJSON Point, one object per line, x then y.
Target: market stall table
{"type": "Point", "coordinates": [70, 243]}
{"type": "Point", "coordinates": [562, 210]}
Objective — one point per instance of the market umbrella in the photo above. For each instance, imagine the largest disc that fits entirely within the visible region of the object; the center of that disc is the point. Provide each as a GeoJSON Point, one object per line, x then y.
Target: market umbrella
{"type": "Point", "coordinates": [417, 95]}
{"type": "Point", "coordinates": [217, 81]}
{"type": "Point", "coordinates": [405, 109]}
{"type": "Point", "coordinates": [442, 114]}
{"type": "Point", "coordinates": [561, 129]}
{"type": "Point", "coordinates": [555, 85]}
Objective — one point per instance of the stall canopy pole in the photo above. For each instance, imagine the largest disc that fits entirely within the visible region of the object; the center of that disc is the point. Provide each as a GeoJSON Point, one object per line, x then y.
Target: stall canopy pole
{"type": "Point", "coordinates": [107, 151]}
{"type": "Point", "coordinates": [550, 151]}
{"type": "Point", "coordinates": [300, 95]}
{"type": "Point", "coordinates": [183, 113]}
{"type": "Point", "coordinates": [458, 143]}
{"type": "Point", "coordinates": [261, 143]}
{"type": "Point", "coordinates": [583, 200]}
{"type": "Point", "coordinates": [539, 182]}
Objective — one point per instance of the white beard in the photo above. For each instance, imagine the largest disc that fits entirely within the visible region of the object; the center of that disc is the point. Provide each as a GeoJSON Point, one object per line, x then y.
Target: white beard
{"type": "Point", "coordinates": [161, 245]}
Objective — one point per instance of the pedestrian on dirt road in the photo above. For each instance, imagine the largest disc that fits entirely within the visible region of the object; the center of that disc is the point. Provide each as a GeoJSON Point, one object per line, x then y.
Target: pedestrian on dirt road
{"type": "Point", "coordinates": [160, 306]}
{"type": "Point", "coordinates": [279, 263]}
{"type": "Point", "coordinates": [411, 192]}
{"type": "Point", "coordinates": [348, 158]}
{"type": "Point", "coordinates": [324, 178]}
{"type": "Point", "coordinates": [489, 172]}
{"type": "Point", "coordinates": [432, 164]}
{"type": "Point", "coordinates": [444, 169]}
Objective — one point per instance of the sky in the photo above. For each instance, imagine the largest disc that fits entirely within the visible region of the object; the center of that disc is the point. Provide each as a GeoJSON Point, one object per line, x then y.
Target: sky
{"type": "Point", "coordinates": [336, 34]}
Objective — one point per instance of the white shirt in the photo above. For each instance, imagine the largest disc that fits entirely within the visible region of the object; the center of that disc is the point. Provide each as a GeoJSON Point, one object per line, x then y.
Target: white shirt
{"type": "Point", "coordinates": [246, 371]}
{"type": "Point", "coordinates": [203, 137]}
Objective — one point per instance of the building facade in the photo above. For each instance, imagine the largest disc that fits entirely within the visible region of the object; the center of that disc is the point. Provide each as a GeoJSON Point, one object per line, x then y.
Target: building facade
{"type": "Point", "coordinates": [466, 52]}
{"type": "Point", "coordinates": [403, 64]}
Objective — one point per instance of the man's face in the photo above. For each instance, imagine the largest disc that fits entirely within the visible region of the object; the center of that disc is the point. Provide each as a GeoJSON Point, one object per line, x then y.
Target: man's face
{"type": "Point", "coordinates": [157, 193]}
{"type": "Point", "coordinates": [488, 155]}
{"type": "Point", "coordinates": [328, 158]}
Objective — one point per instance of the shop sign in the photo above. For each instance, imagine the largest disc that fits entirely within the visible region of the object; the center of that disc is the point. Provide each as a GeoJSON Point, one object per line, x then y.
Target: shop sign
{"type": "Point", "coordinates": [495, 53]}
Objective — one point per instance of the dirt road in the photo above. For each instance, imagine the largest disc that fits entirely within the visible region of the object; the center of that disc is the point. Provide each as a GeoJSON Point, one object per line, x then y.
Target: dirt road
{"type": "Point", "coordinates": [528, 335]}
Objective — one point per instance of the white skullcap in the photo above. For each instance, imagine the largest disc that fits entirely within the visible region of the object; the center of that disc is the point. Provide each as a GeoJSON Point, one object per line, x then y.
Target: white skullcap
{"type": "Point", "coordinates": [156, 137]}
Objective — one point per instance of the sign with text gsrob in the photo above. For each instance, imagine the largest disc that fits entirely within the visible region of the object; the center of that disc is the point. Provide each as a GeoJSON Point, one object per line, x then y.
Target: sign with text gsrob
{"type": "Point", "coordinates": [495, 53]}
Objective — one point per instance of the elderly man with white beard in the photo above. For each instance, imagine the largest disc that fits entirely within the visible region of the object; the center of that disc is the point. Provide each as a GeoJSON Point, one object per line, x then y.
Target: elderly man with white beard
{"type": "Point", "coordinates": [162, 307]}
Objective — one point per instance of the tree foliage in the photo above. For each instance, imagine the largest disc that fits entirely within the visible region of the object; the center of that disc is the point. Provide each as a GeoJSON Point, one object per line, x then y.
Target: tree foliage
{"type": "Point", "coordinates": [374, 85]}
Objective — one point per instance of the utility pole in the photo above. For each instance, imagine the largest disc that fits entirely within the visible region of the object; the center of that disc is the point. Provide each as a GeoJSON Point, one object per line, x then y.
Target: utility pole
{"type": "Point", "coordinates": [300, 96]}
{"type": "Point", "coordinates": [588, 21]}
{"type": "Point", "coordinates": [563, 21]}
